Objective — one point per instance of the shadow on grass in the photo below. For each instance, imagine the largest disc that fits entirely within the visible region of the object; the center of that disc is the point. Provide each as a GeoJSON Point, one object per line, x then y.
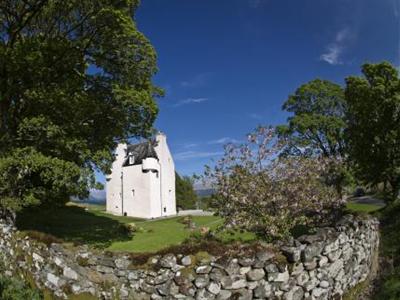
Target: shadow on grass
{"type": "Point", "coordinates": [73, 224]}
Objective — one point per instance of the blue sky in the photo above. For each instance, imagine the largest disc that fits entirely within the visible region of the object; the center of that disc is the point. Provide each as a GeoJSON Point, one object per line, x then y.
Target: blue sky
{"type": "Point", "coordinates": [228, 65]}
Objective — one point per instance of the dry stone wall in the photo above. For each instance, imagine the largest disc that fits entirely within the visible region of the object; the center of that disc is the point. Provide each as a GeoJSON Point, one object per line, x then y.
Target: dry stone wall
{"type": "Point", "coordinates": [320, 266]}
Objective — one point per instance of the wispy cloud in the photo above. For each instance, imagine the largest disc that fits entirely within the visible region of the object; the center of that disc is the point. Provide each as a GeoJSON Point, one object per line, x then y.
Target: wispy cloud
{"type": "Point", "coordinates": [196, 81]}
{"type": "Point", "coordinates": [223, 140]}
{"type": "Point", "coordinates": [335, 49]}
{"type": "Point", "coordinates": [190, 145]}
{"type": "Point", "coordinates": [396, 8]}
{"type": "Point", "coordinates": [332, 56]}
{"type": "Point", "coordinates": [190, 101]}
{"type": "Point", "coordinates": [186, 155]}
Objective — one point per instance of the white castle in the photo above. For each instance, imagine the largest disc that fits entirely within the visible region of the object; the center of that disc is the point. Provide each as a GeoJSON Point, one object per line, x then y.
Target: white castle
{"type": "Point", "coordinates": [142, 180]}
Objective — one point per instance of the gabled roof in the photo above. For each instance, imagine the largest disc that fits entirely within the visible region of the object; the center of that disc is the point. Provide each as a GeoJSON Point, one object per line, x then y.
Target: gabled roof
{"type": "Point", "coordinates": [140, 152]}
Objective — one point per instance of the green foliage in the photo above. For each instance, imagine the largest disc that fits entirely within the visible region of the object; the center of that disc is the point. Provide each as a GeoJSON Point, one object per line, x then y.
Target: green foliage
{"type": "Point", "coordinates": [75, 78]}
{"type": "Point", "coordinates": [186, 197]}
{"type": "Point", "coordinates": [389, 287]}
{"type": "Point", "coordinates": [208, 202]}
{"type": "Point", "coordinates": [317, 123]}
{"type": "Point", "coordinates": [13, 289]}
{"type": "Point", "coordinates": [28, 177]}
{"type": "Point", "coordinates": [373, 120]}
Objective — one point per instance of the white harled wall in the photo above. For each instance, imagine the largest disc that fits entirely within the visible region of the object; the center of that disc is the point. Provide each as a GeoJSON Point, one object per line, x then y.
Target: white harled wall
{"type": "Point", "coordinates": [146, 190]}
{"type": "Point", "coordinates": [167, 175]}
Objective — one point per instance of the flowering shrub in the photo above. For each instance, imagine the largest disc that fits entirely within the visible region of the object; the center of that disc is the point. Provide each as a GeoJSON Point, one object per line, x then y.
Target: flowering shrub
{"type": "Point", "coordinates": [259, 190]}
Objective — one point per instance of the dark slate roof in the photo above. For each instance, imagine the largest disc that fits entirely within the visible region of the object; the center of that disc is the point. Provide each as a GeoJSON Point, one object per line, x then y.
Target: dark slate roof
{"type": "Point", "coordinates": [140, 152]}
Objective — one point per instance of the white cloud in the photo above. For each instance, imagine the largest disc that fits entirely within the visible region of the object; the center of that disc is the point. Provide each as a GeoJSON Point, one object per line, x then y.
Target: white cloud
{"type": "Point", "coordinates": [223, 140]}
{"type": "Point", "coordinates": [332, 56]}
{"type": "Point", "coordinates": [186, 155]}
{"type": "Point", "coordinates": [343, 35]}
{"type": "Point", "coordinates": [190, 101]}
{"type": "Point", "coordinates": [335, 49]}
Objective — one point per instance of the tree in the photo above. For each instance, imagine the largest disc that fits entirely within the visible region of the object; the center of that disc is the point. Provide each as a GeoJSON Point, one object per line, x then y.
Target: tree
{"type": "Point", "coordinates": [186, 197]}
{"type": "Point", "coordinates": [373, 118]}
{"type": "Point", "coordinates": [75, 78]}
{"type": "Point", "coordinates": [260, 191]}
{"type": "Point", "coordinates": [317, 123]}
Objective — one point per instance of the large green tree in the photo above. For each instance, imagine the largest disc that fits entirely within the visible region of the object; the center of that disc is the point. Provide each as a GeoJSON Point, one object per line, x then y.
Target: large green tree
{"type": "Point", "coordinates": [317, 123]}
{"type": "Point", "coordinates": [373, 118]}
{"type": "Point", "coordinates": [75, 77]}
{"type": "Point", "coordinates": [186, 197]}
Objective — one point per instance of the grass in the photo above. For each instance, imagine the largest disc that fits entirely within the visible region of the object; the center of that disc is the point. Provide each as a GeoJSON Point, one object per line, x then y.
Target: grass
{"type": "Point", "coordinates": [363, 208]}
{"type": "Point", "coordinates": [389, 286]}
{"type": "Point", "coordinates": [90, 224]}
{"type": "Point", "coordinates": [72, 224]}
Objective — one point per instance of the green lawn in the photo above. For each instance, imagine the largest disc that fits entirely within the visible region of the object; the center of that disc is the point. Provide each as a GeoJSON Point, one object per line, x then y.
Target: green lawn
{"type": "Point", "coordinates": [366, 208]}
{"type": "Point", "coordinates": [92, 225]}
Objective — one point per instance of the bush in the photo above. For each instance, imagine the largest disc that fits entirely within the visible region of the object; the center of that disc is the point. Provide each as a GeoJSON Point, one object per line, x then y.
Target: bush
{"type": "Point", "coordinates": [260, 191]}
{"type": "Point", "coordinates": [13, 289]}
{"type": "Point", "coordinates": [390, 289]}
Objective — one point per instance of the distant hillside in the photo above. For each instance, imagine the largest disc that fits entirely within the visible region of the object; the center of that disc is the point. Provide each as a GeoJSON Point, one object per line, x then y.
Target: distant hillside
{"type": "Point", "coordinates": [204, 192]}
{"type": "Point", "coordinates": [95, 197]}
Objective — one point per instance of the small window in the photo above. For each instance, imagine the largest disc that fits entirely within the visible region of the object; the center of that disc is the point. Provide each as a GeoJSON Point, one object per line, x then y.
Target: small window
{"type": "Point", "coordinates": [133, 193]}
{"type": "Point", "coordinates": [125, 214]}
{"type": "Point", "coordinates": [165, 209]}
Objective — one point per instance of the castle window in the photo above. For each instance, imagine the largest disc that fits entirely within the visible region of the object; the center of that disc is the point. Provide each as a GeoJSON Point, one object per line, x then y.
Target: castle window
{"type": "Point", "coordinates": [165, 209]}
{"type": "Point", "coordinates": [133, 193]}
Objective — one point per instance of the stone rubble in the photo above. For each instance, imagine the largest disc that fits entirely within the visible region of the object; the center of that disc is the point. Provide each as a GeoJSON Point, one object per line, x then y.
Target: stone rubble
{"type": "Point", "coordinates": [314, 267]}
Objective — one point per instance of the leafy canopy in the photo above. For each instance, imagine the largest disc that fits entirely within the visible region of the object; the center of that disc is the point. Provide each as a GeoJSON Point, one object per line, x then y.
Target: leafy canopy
{"type": "Point", "coordinates": [186, 197]}
{"type": "Point", "coordinates": [317, 123]}
{"type": "Point", "coordinates": [75, 77]}
{"type": "Point", "coordinates": [373, 118]}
